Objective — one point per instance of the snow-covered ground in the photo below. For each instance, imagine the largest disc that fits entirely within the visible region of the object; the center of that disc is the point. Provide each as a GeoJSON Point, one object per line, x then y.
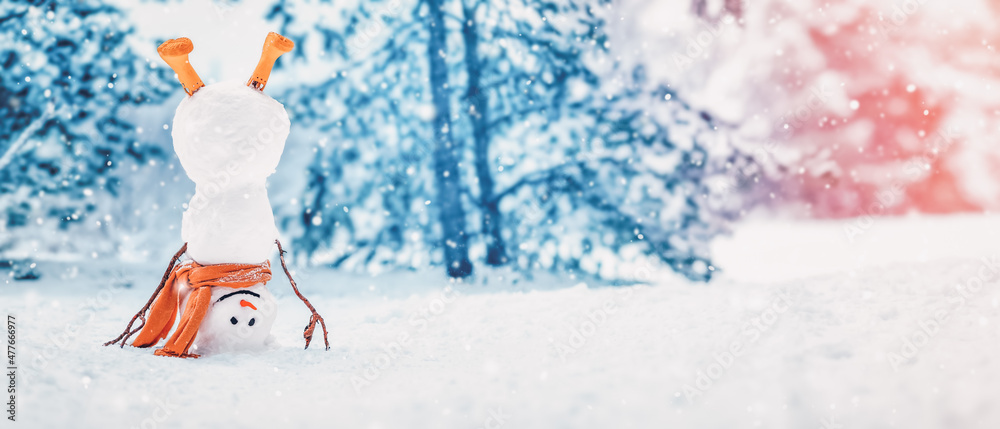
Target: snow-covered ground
{"type": "Point", "coordinates": [806, 329]}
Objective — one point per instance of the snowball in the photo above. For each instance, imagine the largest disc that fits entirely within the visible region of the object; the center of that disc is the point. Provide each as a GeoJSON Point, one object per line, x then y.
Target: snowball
{"type": "Point", "coordinates": [231, 224]}
{"type": "Point", "coordinates": [229, 132]}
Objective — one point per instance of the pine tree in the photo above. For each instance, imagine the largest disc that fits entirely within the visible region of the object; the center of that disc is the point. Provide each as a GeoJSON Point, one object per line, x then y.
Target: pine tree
{"type": "Point", "coordinates": [447, 151]}
{"type": "Point", "coordinates": [576, 162]}
{"type": "Point", "coordinates": [380, 191]}
{"type": "Point", "coordinates": [69, 76]}
{"type": "Point", "coordinates": [575, 129]}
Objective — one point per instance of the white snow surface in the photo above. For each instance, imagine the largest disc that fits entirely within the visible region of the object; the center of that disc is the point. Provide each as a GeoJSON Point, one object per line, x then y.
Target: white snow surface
{"type": "Point", "coordinates": [229, 138]}
{"type": "Point", "coordinates": [826, 339]}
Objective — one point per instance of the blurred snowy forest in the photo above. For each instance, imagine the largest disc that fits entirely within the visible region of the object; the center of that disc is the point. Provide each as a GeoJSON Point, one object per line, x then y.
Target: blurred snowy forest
{"type": "Point", "coordinates": [585, 137]}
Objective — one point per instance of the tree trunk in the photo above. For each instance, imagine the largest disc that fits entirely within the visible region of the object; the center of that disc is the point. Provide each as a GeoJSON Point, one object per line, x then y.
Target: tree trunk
{"type": "Point", "coordinates": [451, 214]}
{"type": "Point", "coordinates": [479, 115]}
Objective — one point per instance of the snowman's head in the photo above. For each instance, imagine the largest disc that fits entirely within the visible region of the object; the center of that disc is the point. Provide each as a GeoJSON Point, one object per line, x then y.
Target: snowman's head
{"type": "Point", "coordinates": [228, 132]}
{"type": "Point", "coordinates": [237, 320]}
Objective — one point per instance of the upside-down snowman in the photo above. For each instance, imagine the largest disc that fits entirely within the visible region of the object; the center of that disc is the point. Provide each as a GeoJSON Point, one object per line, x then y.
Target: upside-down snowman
{"type": "Point", "coordinates": [229, 137]}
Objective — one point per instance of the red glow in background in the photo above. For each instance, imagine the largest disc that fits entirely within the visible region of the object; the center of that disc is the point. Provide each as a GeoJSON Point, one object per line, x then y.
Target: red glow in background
{"type": "Point", "coordinates": [880, 107]}
{"type": "Point", "coordinates": [904, 123]}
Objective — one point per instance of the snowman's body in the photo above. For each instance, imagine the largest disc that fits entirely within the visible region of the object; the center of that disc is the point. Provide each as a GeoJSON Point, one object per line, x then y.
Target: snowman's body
{"type": "Point", "coordinates": [229, 138]}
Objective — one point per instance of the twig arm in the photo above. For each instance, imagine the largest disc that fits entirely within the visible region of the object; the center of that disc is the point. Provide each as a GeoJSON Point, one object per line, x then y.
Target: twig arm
{"type": "Point", "coordinates": [308, 332]}
{"type": "Point", "coordinates": [129, 332]}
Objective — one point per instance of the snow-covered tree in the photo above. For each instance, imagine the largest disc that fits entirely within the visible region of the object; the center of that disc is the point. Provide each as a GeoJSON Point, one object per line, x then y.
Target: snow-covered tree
{"type": "Point", "coordinates": [517, 64]}
{"type": "Point", "coordinates": [521, 112]}
{"type": "Point", "coordinates": [592, 164]}
{"type": "Point", "coordinates": [383, 188]}
{"type": "Point", "coordinates": [69, 72]}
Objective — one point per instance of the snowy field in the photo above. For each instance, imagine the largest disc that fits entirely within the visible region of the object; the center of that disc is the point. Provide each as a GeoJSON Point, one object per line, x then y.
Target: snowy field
{"type": "Point", "coordinates": [806, 329]}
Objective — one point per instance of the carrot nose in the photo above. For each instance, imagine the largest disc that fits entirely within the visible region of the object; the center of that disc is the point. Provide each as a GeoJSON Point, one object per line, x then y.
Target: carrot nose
{"type": "Point", "coordinates": [245, 303]}
{"type": "Point", "coordinates": [274, 46]}
{"type": "Point", "coordinates": [175, 53]}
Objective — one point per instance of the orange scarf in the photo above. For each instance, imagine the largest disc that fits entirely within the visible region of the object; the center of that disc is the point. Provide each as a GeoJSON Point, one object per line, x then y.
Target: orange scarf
{"type": "Point", "coordinates": [200, 278]}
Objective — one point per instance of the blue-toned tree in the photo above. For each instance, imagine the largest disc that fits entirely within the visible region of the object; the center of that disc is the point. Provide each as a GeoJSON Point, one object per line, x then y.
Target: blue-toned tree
{"type": "Point", "coordinates": [575, 163]}
{"type": "Point", "coordinates": [69, 76]}
{"type": "Point", "coordinates": [593, 165]}
{"type": "Point", "coordinates": [383, 189]}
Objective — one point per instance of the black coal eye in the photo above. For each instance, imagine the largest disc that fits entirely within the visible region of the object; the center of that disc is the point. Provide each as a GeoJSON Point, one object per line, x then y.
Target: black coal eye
{"type": "Point", "coordinates": [252, 321]}
{"type": "Point", "coordinates": [233, 320]}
